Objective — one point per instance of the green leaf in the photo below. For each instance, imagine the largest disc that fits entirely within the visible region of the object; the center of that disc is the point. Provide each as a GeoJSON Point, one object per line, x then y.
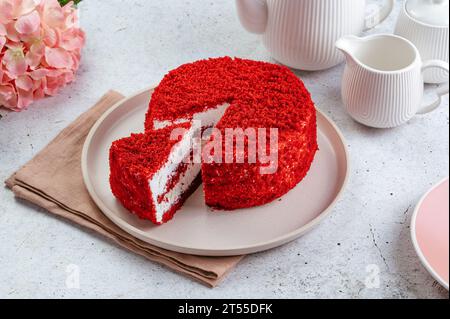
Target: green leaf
{"type": "Point", "coordinates": [64, 2]}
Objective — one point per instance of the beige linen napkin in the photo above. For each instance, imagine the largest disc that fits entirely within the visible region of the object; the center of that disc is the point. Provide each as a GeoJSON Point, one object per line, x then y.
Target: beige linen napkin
{"type": "Point", "coordinates": [53, 180]}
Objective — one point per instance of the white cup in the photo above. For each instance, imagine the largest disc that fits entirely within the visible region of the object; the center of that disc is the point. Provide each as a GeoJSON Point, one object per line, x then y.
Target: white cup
{"type": "Point", "coordinates": [383, 83]}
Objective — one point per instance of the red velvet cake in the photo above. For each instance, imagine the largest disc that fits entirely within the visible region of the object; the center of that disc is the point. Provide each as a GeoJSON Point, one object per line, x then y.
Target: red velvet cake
{"type": "Point", "coordinates": [227, 94]}
{"type": "Point", "coordinates": [237, 93]}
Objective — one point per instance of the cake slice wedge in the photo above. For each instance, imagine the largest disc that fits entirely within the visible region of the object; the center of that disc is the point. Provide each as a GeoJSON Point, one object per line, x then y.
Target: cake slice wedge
{"type": "Point", "coordinates": [151, 174]}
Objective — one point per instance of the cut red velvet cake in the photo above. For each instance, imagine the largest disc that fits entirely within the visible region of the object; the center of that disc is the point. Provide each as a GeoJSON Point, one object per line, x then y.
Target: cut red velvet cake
{"type": "Point", "coordinates": [228, 95]}
{"type": "Point", "coordinates": [150, 174]}
{"type": "Point", "coordinates": [236, 93]}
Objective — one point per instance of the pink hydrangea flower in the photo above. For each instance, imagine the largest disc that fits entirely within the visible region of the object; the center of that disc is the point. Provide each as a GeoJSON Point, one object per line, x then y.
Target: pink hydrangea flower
{"type": "Point", "coordinates": [40, 50]}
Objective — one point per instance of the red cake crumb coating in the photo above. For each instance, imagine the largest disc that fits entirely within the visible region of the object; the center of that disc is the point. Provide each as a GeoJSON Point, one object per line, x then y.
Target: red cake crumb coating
{"type": "Point", "coordinates": [133, 162]}
{"type": "Point", "coordinates": [261, 95]}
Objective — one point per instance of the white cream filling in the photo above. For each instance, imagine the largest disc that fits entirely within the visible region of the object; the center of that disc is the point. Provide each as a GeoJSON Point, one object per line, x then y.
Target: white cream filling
{"type": "Point", "coordinates": [181, 151]}
{"type": "Point", "coordinates": [174, 195]}
{"type": "Point", "coordinates": [208, 118]}
{"type": "Point", "coordinates": [158, 183]}
{"type": "Point", "coordinates": [157, 125]}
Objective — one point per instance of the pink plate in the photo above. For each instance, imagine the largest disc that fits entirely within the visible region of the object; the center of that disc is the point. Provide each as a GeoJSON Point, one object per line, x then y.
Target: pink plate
{"type": "Point", "coordinates": [430, 231]}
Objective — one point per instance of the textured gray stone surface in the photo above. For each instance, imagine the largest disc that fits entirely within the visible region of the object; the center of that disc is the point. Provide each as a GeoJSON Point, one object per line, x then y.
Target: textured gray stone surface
{"type": "Point", "coordinates": [131, 44]}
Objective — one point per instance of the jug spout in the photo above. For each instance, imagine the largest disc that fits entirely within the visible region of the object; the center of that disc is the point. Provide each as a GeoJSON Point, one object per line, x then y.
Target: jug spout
{"type": "Point", "coordinates": [253, 15]}
{"type": "Point", "coordinates": [348, 45]}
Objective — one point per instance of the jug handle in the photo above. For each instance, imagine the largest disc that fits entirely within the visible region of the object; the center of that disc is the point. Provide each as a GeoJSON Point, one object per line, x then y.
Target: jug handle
{"type": "Point", "coordinates": [379, 15]}
{"type": "Point", "coordinates": [441, 89]}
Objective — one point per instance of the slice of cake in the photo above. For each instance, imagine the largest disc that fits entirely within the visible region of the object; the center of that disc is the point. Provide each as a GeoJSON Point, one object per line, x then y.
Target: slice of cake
{"type": "Point", "coordinates": [151, 174]}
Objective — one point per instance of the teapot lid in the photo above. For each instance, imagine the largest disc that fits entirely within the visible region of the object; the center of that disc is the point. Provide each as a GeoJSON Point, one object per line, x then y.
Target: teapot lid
{"type": "Point", "coordinates": [433, 12]}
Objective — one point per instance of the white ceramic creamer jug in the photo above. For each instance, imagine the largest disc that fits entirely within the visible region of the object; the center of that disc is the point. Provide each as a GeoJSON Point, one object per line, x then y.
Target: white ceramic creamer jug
{"type": "Point", "coordinates": [301, 33]}
{"type": "Point", "coordinates": [383, 83]}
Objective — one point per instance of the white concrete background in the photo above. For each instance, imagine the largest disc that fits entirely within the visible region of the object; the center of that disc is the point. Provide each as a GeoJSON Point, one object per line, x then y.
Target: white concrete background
{"type": "Point", "coordinates": [132, 44]}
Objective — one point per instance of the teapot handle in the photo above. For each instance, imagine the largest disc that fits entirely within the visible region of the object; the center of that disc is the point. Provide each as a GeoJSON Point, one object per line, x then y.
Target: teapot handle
{"type": "Point", "coordinates": [253, 15]}
{"type": "Point", "coordinates": [441, 89]}
{"type": "Point", "coordinates": [379, 15]}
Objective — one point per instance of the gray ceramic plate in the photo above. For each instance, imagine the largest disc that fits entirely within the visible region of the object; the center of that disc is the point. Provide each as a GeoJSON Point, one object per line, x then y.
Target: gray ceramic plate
{"type": "Point", "coordinates": [196, 229]}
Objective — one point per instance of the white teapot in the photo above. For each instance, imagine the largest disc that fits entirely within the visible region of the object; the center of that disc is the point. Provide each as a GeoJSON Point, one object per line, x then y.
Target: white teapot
{"type": "Point", "coordinates": [301, 33]}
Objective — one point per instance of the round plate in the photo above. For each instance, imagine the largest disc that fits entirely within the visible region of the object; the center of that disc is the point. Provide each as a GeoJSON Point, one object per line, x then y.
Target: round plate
{"type": "Point", "coordinates": [198, 230]}
{"type": "Point", "coordinates": [430, 231]}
